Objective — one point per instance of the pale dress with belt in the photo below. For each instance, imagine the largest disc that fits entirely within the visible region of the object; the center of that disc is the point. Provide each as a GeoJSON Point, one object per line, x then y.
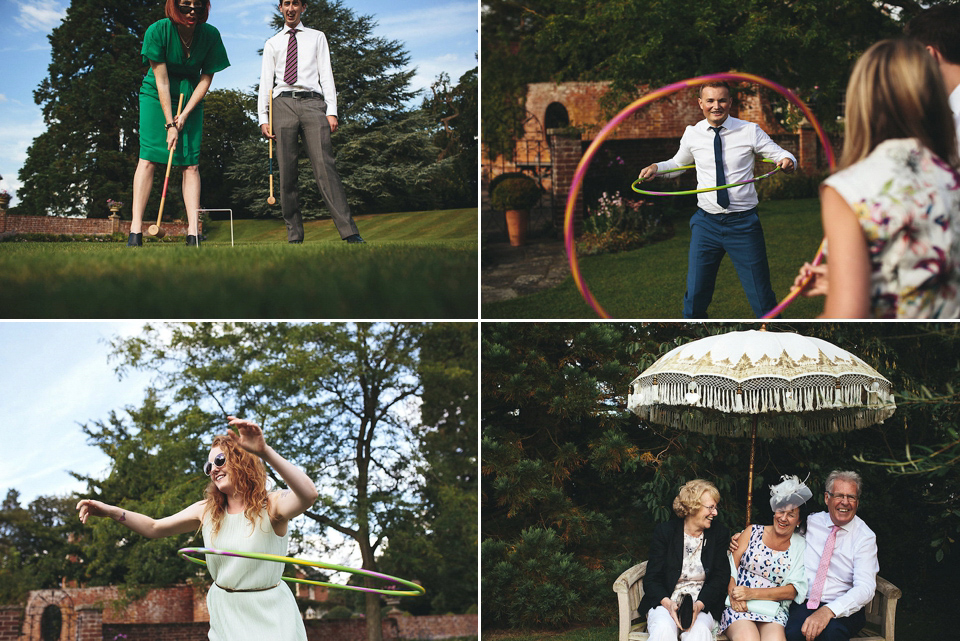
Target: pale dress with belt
{"type": "Point", "coordinates": [249, 616]}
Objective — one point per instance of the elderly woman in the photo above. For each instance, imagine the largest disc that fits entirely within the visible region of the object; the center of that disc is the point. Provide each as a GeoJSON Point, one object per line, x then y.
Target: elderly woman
{"type": "Point", "coordinates": [183, 52]}
{"type": "Point", "coordinates": [768, 569]}
{"type": "Point", "coordinates": [688, 571]}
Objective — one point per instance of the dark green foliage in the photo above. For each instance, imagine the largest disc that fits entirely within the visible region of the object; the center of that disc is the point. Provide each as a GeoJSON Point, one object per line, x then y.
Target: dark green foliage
{"type": "Point", "coordinates": [797, 184]}
{"type": "Point", "coordinates": [518, 191]}
{"type": "Point", "coordinates": [808, 46]}
{"type": "Point", "coordinates": [89, 101]}
{"type": "Point", "coordinates": [562, 454]}
{"type": "Point", "coordinates": [533, 582]}
{"type": "Point", "coordinates": [36, 545]}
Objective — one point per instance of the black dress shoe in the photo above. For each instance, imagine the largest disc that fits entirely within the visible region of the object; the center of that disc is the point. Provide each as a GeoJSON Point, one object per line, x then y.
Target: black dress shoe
{"type": "Point", "coordinates": [685, 611]}
{"type": "Point", "coordinates": [135, 240]}
{"type": "Point", "coordinates": [296, 242]}
{"type": "Point", "coordinates": [193, 241]}
{"type": "Point", "coordinates": [354, 239]}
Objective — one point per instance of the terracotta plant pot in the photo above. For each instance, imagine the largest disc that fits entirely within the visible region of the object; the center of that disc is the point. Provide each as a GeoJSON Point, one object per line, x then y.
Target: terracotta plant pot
{"type": "Point", "coordinates": [517, 226]}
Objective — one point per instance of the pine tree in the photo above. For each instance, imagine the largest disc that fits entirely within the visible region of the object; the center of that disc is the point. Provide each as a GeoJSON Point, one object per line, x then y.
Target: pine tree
{"type": "Point", "coordinates": [90, 106]}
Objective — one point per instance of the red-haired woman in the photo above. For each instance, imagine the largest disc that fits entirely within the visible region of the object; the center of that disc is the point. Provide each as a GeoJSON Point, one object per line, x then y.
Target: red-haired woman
{"type": "Point", "coordinates": [247, 600]}
{"type": "Point", "coordinates": [183, 52]}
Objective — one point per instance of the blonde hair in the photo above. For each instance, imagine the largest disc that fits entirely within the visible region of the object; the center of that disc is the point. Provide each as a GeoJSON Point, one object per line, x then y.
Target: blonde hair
{"type": "Point", "coordinates": [688, 498]}
{"type": "Point", "coordinates": [248, 475]}
{"type": "Point", "coordinates": [896, 91]}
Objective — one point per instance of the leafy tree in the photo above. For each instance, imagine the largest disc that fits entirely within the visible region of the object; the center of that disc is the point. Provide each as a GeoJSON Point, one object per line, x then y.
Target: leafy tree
{"type": "Point", "coordinates": [808, 46]}
{"type": "Point", "coordinates": [89, 101]}
{"type": "Point", "coordinates": [228, 123]}
{"type": "Point", "coordinates": [455, 108]}
{"type": "Point", "coordinates": [37, 545]}
{"type": "Point", "coordinates": [561, 454]}
{"type": "Point", "coordinates": [439, 542]}
{"type": "Point", "coordinates": [156, 455]}
{"type": "Point", "coordinates": [338, 400]}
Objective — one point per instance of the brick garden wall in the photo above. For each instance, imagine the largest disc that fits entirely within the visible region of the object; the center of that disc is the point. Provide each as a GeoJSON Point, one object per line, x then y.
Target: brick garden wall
{"type": "Point", "coordinates": [649, 135]}
{"type": "Point", "coordinates": [58, 225]}
{"type": "Point", "coordinates": [169, 615]}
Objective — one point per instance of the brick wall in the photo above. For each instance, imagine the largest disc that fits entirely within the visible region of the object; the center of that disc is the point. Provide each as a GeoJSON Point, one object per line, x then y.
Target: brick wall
{"type": "Point", "coordinates": [11, 617]}
{"type": "Point", "coordinates": [58, 225]}
{"type": "Point", "coordinates": [648, 135]}
{"type": "Point", "coordinates": [155, 631]}
{"type": "Point", "coordinates": [438, 626]}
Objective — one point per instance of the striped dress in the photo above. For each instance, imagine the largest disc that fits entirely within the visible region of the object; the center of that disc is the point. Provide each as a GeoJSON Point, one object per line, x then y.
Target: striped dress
{"type": "Point", "coordinates": [249, 616]}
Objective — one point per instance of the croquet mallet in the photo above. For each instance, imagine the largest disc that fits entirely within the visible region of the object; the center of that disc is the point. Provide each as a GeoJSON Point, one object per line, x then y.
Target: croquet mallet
{"type": "Point", "coordinates": [154, 230]}
{"type": "Point", "coordinates": [271, 200]}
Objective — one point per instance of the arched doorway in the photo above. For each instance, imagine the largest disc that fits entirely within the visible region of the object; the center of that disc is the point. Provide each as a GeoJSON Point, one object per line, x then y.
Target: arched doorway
{"type": "Point", "coordinates": [556, 116]}
{"type": "Point", "coordinates": [51, 623]}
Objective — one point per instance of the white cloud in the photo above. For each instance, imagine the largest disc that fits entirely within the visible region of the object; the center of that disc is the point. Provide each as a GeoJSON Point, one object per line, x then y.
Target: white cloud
{"type": "Point", "coordinates": [40, 19]}
{"type": "Point", "coordinates": [435, 23]}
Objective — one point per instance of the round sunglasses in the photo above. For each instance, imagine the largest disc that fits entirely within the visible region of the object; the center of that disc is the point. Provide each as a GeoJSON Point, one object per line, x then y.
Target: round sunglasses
{"type": "Point", "coordinates": [218, 461]}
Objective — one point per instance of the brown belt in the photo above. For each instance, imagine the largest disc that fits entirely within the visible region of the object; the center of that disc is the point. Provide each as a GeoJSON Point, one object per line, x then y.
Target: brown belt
{"type": "Point", "coordinates": [247, 590]}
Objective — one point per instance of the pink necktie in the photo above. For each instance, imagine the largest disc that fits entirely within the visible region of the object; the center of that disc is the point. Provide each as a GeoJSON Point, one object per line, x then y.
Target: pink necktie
{"type": "Point", "coordinates": [813, 602]}
{"type": "Point", "coordinates": [290, 71]}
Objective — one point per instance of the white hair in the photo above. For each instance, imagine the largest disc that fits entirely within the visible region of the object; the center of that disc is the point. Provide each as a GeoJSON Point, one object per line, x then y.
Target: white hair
{"type": "Point", "coordinates": [848, 476]}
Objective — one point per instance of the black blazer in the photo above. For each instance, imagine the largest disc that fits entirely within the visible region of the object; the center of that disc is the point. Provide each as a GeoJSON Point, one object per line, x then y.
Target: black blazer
{"type": "Point", "coordinates": [666, 561]}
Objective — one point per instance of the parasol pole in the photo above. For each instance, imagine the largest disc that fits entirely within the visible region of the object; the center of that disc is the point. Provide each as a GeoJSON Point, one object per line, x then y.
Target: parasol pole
{"type": "Point", "coordinates": [753, 448]}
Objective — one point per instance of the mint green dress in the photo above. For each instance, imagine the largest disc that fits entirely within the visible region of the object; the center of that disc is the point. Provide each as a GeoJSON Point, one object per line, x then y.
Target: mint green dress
{"type": "Point", "coordinates": [207, 55]}
{"type": "Point", "coordinates": [249, 616]}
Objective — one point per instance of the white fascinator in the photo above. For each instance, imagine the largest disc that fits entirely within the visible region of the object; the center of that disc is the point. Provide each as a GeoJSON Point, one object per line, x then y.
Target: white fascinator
{"type": "Point", "coordinates": [791, 492]}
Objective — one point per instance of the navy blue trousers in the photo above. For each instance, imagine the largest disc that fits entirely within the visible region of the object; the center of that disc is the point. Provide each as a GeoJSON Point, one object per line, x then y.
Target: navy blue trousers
{"type": "Point", "coordinates": [839, 629]}
{"type": "Point", "coordinates": [712, 236]}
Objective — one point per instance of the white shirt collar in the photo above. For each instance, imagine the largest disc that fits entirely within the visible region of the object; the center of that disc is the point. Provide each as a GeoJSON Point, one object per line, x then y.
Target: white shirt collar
{"type": "Point", "coordinates": [287, 29]}
{"type": "Point", "coordinates": [729, 124]}
{"type": "Point", "coordinates": [955, 100]}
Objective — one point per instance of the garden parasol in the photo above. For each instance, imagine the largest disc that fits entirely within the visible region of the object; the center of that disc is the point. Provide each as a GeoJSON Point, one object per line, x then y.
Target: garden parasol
{"type": "Point", "coordinates": [760, 383]}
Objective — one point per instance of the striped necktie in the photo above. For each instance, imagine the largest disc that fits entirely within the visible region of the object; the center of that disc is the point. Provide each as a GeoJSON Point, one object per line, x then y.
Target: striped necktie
{"type": "Point", "coordinates": [290, 71]}
{"type": "Point", "coordinates": [723, 197]}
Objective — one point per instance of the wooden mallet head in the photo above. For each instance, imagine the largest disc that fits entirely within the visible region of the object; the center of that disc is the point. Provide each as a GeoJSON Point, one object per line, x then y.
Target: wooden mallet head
{"type": "Point", "coordinates": [156, 231]}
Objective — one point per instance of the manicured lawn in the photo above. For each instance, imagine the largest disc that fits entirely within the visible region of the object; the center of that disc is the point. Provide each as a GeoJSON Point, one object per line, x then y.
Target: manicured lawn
{"type": "Point", "coordinates": [414, 265]}
{"type": "Point", "coordinates": [576, 634]}
{"type": "Point", "coordinates": [649, 282]}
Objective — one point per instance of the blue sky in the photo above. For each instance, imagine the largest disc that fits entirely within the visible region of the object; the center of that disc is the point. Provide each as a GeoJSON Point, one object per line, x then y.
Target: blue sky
{"type": "Point", "coordinates": [55, 377]}
{"type": "Point", "coordinates": [439, 35]}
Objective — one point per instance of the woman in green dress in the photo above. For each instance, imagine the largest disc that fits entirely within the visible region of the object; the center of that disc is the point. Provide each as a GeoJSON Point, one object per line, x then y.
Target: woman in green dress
{"type": "Point", "coordinates": [183, 52]}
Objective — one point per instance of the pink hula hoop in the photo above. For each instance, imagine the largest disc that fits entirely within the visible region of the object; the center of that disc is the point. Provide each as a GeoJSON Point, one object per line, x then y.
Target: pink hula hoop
{"type": "Point", "coordinates": [615, 122]}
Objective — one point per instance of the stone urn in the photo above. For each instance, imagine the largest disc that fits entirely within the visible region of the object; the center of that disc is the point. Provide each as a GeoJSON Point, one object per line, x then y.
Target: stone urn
{"type": "Point", "coordinates": [516, 194]}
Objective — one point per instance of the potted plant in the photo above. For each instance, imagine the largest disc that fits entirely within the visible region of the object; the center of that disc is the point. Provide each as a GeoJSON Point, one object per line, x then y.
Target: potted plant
{"type": "Point", "coordinates": [516, 194]}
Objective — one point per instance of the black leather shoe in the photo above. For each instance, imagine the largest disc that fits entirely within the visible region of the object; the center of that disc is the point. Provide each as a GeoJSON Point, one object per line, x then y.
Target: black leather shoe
{"type": "Point", "coordinates": [354, 239]}
{"type": "Point", "coordinates": [296, 242]}
{"type": "Point", "coordinates": [135, 240]}
{"type": "Point", "coordinates": [685, 611]}
{"type": "Point", "coordinates": [193, 241]}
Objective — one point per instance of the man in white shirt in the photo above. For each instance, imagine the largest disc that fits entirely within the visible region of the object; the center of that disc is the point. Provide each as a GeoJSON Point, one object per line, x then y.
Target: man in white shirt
{"type": "Point", "coordinates": [726, 221]}
{"type": "Point", "coordinates": [938, 29]}
{"type": "Point", "coordinates": [842, 553]}
{"type": "Point", "coordinates": [296, 68]}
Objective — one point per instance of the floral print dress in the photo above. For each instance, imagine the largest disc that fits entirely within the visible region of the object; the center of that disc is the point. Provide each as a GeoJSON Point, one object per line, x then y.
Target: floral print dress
{"type": "Point", "coordinates": [908, 203]}
{"type": "Point", "coordinates": [760, 567]}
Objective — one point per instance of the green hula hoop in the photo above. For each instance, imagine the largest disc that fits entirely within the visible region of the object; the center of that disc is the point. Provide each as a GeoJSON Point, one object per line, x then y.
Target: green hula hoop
{"type": "Point", "coordinates": [417, 590]}
{"type": "Point", "coordinates": [695, 191]}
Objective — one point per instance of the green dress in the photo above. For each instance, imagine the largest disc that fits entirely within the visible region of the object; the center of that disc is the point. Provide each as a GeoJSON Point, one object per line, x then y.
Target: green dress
{"type": "Point", "coordinates": [207, 55]}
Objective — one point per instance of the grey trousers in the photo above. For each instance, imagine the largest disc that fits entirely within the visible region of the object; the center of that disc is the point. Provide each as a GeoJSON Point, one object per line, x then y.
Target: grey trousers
{"type": "Point", "coordinates": [293, 117]}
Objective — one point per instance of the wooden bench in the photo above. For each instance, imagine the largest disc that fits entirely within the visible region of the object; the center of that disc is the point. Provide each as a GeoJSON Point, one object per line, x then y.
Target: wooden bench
{"type": "Point", "coordinates": [881, 612]}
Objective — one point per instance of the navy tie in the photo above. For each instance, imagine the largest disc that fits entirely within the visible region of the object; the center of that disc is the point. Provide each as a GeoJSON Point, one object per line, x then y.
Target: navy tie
{"type": "Point", "coordinates": [723, 198]}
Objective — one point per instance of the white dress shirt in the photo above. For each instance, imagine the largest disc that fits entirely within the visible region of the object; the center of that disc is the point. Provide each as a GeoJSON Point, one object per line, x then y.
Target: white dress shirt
{"type": "Point", "coordinates": [314, 72]}
{"type": "Point", "coordinates": [955, 108]}
{"type": "Point", "coordinates": [741, 141]}
{"type": "Point", "coordinates": [852, 575]}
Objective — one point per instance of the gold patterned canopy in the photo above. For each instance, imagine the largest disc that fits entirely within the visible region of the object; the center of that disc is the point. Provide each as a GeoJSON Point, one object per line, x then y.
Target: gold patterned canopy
{"type": "Point", "coordinates": [760, 383]}
{"type": "Point", "coordinates": [795, 384]}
